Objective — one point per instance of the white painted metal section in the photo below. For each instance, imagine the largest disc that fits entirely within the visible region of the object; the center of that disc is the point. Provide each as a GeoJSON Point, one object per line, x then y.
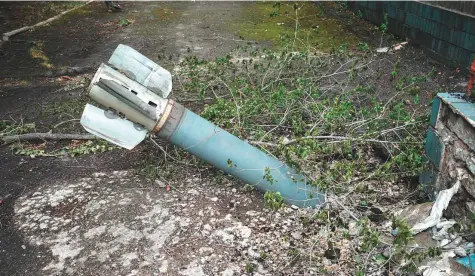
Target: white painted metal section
{"type": "Point", "coordinates": [141, 69]}
{"type": "Point", "coordinates": [111, 127]}
{"type": "Point", "coordinates": [106, 72]}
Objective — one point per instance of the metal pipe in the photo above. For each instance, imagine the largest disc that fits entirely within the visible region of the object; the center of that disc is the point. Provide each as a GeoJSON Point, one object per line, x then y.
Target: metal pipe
{"type": "Point", "coordinates": [226, 152]}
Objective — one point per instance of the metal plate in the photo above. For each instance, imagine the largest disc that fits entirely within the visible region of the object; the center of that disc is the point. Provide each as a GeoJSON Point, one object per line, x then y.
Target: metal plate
{"type": "Point", "coordinates": [109, 126]}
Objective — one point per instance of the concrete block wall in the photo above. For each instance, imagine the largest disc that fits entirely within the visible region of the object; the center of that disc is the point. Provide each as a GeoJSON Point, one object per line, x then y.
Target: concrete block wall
{"type": "Point", "coordinates": [448, 35]}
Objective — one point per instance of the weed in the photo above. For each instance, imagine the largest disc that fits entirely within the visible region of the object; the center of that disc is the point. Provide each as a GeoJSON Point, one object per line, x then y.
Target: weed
{"type": "Point", "coordinates": [218, 179]}
{"type": "Point", "coordinates": [414, 90]}
{"type": "Point", "coordinates": [249, 187]}
{"type": "Point", "coordinates": [8, 128]}
{"type": "Point", "coordinates": [321, 217]}
{"type": "Point", "coordinates": [380, 259]}
{"type": "Point", "coordinates": [28, 150]}
{"type": "Point", "coordinates": [125, 22]}
{"type": "Point", "coordinates": [360, 14]}
{"type": "Point", "coordinates": [249, 267]}
{"type": "Point", "coordinates": [268, 176]}
{"type": "Point", "coordinates": [258, 100]}
{"type": "Point", "coordinates": [150, 168]}
{"type": "Point", "coordinates": [262, 256]}
{"type": "Point", "coordinates": [404, 235]}
{"type": "Point", "coordinates": [395, 70]}
{"type": "Point", "coordinates": [75, 148]}
{"type": "Point", "coordinates": [363, 47]}
{"type": "Point", "coordinates": [416, 99]}
{"type": "Point", "coordinates": [432, 73]}
{"type": "Point", "coordinates": [384, 26]}
{"type": "Point", "coordinates": [89, 147]}
{"type": "Point", "coordinates": [273, 200]}
{"type": "Point", "coordinates": [370, 236]}
{"type": "Point", "coordinates": [276, 11]}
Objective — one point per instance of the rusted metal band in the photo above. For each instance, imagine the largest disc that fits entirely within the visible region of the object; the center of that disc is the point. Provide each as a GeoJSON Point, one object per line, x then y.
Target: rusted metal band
{"type": "Point", "coordinates": [164, 118]}
{"type": "Point", "coordinates": [171, 120]}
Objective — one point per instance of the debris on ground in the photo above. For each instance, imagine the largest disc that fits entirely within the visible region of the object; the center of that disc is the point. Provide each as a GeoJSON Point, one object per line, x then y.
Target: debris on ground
{"type": "Point", "coordinates": [440, 204]}
{"type": "Point", "coordinates": [393, 48]}
{"type": "Point", "coordinates": [399, 46]}
{"type": "Point", "coordinates": [431, 230]}
{"type": "Point", "coordinates": [468, 261]}
{"type": "Point", "coordinates": [444, 265]}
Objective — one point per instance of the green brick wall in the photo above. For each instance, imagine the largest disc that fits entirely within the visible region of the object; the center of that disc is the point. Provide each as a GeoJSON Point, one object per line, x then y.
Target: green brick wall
{"type": "Point", "coordinates": [448, 36]}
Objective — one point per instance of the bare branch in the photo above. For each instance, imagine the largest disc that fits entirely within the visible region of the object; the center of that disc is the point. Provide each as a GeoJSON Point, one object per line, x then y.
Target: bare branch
{"type": "Point", "coordinates": [46, 136]}
{"type": "Point", "coordinates": [337, 138]}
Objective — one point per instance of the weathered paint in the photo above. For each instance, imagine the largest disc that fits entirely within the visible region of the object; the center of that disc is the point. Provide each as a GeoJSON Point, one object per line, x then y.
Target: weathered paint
{"type": "Point", "coordinates": [435, 111]}
{"type": "Point", "coordinates": [142, 70]}
{"type": "Point", "coordinates": [238, 158]}
{"type": "Point", "coordinates": [434, 148]}
{"type": "Point", "coordinates": [459, 105]}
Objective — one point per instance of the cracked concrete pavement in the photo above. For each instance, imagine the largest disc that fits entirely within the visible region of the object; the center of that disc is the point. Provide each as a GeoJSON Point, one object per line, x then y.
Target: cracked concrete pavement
{"type": "Point", "coordinates": [116, 223]}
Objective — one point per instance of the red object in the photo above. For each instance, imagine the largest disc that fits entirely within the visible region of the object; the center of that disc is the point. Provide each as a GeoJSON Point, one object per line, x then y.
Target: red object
{"type": "Point", "coordinates": [65, 78]}
{"type": "Point", "coordinates": [168, 188]}
{"type": "Point", "coordinates": [472, 78]}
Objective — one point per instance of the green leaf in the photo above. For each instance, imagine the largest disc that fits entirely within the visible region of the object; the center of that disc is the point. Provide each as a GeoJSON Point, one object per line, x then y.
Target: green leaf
{"type": "Point", "coordinates": [416, 99]}
{"type": "Point", "coordinates": [124, 22]}
{"type": "Point", "coordinates": [380, 259]}
{"type": "Point", "coordinates": [358, 259]}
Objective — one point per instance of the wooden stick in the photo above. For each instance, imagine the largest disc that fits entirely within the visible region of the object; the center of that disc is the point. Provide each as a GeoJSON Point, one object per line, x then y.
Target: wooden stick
{"type": "Point", "coordinates": [46, 136]}
{"type": "Point", "coordinates": [6, 36]}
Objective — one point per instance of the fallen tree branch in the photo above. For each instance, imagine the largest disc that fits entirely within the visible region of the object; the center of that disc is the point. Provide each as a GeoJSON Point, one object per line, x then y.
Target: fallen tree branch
{"type": "Point", "coordinates": [337, 138]}
{"type": "Point", "coordinates": [6, 36]}
{"type": "Point", "coordinates": [46, 136]}
{"type": "Point", "coordinates": [64, 122]}
{"type": "Point", "coordinates": [340, 138]}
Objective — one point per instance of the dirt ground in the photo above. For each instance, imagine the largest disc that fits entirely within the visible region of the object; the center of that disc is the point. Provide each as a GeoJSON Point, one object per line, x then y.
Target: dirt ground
{"type": "Point", "coordinates": [92, 214]}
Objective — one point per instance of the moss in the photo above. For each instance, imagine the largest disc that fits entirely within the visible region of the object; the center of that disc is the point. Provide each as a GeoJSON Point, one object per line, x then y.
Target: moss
{"type": "Point", "coordinates": [164, 14]}
{"type": "Point", "coordinates": [270, 22]}
{"type": "Point", "coordinates": [81, 11]}
{"type": "Point", "coordinates": [150, 24]}
{"type": "Point", "coordinates": [36, 52]}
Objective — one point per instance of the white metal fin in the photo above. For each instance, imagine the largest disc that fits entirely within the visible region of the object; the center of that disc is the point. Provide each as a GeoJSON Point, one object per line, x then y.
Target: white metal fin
{"type": "Point", "coordinates": [142, 70]}
{"type": "Point", "coordinates": [111, 127]}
